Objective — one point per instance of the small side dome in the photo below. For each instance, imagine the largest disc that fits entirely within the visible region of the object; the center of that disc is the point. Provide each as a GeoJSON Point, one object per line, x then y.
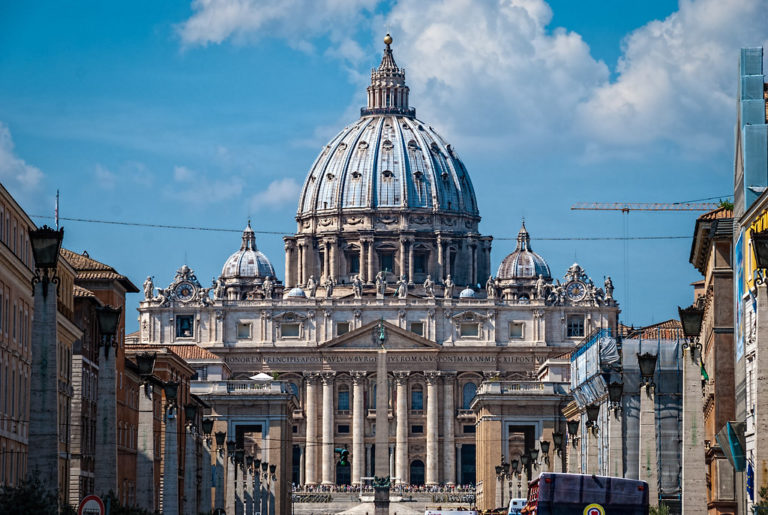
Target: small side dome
{"type": "Point", "coordinates": [467, 293]}
{"type": "Point", "coordinates": [297, 293]}
{"type": "Point", "coordinates": [523, 263]}
{"type": "Point", "coordinates": [247, 262]}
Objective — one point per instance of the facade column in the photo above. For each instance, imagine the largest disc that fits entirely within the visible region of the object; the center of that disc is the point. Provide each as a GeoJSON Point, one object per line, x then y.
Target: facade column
{"type": "Point", "coordinates": [327, 260]}
{"type": "Point", "coordinates": [371, 272]}
{"type": "Point", "coordinates": [432, 430]}
{"type": "Point", "coordinates": [648, 459]}
{"type": "Point", "coordinates": [145, 452]}
{"type": "Point", "coordinates": [334, 259]}
{"type": "Point", "coordinates": [171, 464]}
{"type": "Point", "coordinates": [458, 463]}
{"type": "Point", "coordinates": [449, 430]}
{"type": "Point", "coordinates": [43, 449]}
{"type": "Point", "coordinates": [302, 464]}
{"type": "Point", "coordinates": [615, 443]}
{"type": "Point", "coordinates": [401, 438]}
{"type": "Point", "coordinates": [361, 271]}
{"type": "Point", "coordinates": [310, 405]}
{"type": "Point", "coordinates": [190, 472]}
{"type": "Point", "coordinates": [288, 262]}
{"type": "Point", "coordinates": [358, 428]}
{"type": "Point", "coordinates": [410, 261]}
{"type": "Point", "coordinates": [402, 257]}
{"type": "Point", "coordinates": [220, 481]}
{"type": "Point", "coordinates": [105, 466]}
{"type": "Point", "coordinates": [694, 466]}
{"type": "Point", "coordinates": [473, 250]}
{"type": "Point", "coordinates": [328, 476]}
{"type": "Point", "coordinates": [440, 260]}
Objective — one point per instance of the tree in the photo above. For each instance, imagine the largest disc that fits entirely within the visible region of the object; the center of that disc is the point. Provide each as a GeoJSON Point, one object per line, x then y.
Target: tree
{"type": "Point", "coordinates": [29, 497]}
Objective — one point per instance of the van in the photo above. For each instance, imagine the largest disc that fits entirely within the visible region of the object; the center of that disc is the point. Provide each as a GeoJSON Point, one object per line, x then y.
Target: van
{"type": "Point", "coordinates": [516, 506]}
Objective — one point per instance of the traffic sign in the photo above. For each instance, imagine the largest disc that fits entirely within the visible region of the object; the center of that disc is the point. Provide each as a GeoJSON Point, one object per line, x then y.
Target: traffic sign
{"type": "Point", "coordinates": [91, 505]}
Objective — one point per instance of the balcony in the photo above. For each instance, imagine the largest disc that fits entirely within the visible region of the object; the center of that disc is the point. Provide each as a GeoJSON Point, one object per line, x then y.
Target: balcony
{"type": "Point", "coordinates": [242, 387]}
{"type": "Point", "coordinates": [465, 414]}
{"type": "Point", "coordinates": [342, 412]}
{"type": "Point", "coordinates": [521, 388]}
{"type": "Point", "coordinates": [372, 413]}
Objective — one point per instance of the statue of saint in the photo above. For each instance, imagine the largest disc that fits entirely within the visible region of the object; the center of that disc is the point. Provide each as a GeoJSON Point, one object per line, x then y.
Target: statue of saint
{"type": "Point", "coordinates": [608, 288]}
{"type": "Point", "coordinates": [541, 288]}
{"type": "Point", "coordinates": [312, 286]}
{"type": "Point", "coordinates": [149, 289]}
{"type": "Point", "coordinates": [429, 287]}
{"type": "Point", "coordinates": [402, 287]}
{"type": "Point", "coordinates": [329, 287]}
{"type": "Point", "coordinates": [269, 287]}
{"type": "Point", "coordinates": [490, 288]}
{"type": "Point", "coordinates": [381, 283]}
{"type": "Point", "coordinates": [449, 286]}
{"type": "Point", "coordinates": [357, 287]}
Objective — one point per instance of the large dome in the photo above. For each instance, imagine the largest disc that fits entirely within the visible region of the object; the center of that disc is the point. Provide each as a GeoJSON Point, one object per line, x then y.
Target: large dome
{"type": "Point", "coordinates": [247, 262]}
{"type": "Point", "coordinates": [388, 159]}
{"type": "Point", "coordinates": [523, 263]}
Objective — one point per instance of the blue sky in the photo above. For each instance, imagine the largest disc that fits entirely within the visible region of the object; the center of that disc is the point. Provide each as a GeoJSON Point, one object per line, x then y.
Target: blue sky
{"type": "Point", "coordinates": [211, 112]}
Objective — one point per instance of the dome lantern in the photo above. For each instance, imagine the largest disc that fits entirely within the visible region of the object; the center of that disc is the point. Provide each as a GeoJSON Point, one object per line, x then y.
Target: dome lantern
{"type": "Point", "coordinates": [248, 262]}
{"type": "Point", "coordinates": [388, 93]}
{"type": "Point", "coordinates": [523, 263]}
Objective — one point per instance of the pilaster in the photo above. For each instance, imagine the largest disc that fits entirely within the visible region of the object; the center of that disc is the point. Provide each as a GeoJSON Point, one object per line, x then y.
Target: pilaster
{"type": "Point", "coordinates": [401, 439]}
{"type": "Point", "coordinates": [432, 429]}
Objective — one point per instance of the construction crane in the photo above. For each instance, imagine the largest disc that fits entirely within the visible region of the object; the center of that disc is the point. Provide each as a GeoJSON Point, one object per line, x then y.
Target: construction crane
{"type": "Point", "coordinates": [626, 207]}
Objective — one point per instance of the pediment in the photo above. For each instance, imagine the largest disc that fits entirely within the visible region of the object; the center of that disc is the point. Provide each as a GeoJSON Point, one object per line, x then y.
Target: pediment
{"type": "Point", "coordinates": [366, 337]}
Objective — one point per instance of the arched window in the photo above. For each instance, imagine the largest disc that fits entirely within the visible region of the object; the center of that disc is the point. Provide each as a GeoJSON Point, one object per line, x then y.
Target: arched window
{"type": "Point", "coordinates": [417, 398]}
{"type": "Point", "coordinates": [467, 394]}
{"type": "Point", "coordinates": [343, 398]}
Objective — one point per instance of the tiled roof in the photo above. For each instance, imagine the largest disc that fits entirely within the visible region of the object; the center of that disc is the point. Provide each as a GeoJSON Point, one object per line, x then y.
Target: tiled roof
{"type": "Point", "coordinates": [715, 214]}
{"type": "Point", "coordinates": [668, 330]}
{"type": "Point", "coordinates": [89, 269]}
{"type": "Point", "coordinates": [191, 351]}
{"type": "Point", "coordinates": [79, 291]}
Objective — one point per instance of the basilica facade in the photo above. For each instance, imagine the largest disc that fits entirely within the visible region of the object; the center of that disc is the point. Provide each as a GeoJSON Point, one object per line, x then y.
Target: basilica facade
{"type": "Point", "coordinates": [387, 254]}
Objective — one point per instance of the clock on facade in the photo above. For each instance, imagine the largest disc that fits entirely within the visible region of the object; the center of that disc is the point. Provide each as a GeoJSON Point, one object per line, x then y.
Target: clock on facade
{"type": "Point", "coordinates": [576, 290]}
{"type": "Point", "coordinates": [185, 291]}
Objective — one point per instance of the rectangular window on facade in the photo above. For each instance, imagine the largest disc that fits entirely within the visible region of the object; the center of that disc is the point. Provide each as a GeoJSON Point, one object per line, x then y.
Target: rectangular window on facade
{"type": "Point", "coordinates": [343, 400]}
{"type": "Point", "coordinates": [289, 330]}
{"type": "Point", "coordinates": [343, 429]}
{"type": "Point", "coordinates": [417, 429]}
{"type": "Point", "coordinates": [295, 429]}
{"type": "Point", "coordinates": [417, 328]}
{"type": "Point", "coordinates": [342, 328]}
{"type": "Point", "coordinates": [469, 329]}
{"type": "Point", "coordinates": [353, 260]}
{"type": "Point", "coordinates": [184, 326]}
{"type": "Point", "coordinates": [417, 400]}
{"type": "Point", "coordinates": [420, 263]}
{"type": "Point", "coordinates": [575, 326]}
{"type": "Point", "coordinates": [387, 261]}
{"type": "Point", "coordinates": [515, 330]}
{"type": "Point", "coordinates": [243, 330]}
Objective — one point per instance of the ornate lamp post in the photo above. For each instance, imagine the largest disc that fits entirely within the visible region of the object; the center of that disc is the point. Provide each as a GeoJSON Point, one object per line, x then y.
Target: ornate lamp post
{"type": "Point", "coordinates": [190, 414]}
{"type": "Point", "coordinates": [573, 430]}
{"type": "Point", "coordinates": [647, 364]}
{"type": "Point", "coordinates": [615, 391]}
{"type": "Point", "coordinates": [502, 474]}
{"type": "Point", "coordinates": [220, 437]}
{"type": "Point", "coordinates": [691, 319]}
{"type": "Point", "coordinates": [43, 453]}
{"type": "Point", "coordinates": [557, 441]}
{"type": "Point", "coordinates": [593, 411]}
{"type": "Point", "coordinates": [544, 446]}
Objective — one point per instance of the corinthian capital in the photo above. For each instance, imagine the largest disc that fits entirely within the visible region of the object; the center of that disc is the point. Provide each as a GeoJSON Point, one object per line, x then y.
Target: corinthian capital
{"type": "Point", "coordinates": [401, 376]}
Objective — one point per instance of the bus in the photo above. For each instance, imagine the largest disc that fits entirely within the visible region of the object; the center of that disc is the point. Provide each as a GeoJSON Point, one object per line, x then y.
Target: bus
{"type": "Point", "coordinates": [561, 494]}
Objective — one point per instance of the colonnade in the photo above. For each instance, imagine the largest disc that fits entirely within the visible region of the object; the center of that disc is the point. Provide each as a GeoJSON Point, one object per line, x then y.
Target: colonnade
{"type": "Point", "coordinates": [320, 442]}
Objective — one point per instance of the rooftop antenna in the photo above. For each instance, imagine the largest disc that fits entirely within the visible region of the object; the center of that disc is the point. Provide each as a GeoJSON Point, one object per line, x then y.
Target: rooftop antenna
{"type": "Point", "coordinates": [56, 210]}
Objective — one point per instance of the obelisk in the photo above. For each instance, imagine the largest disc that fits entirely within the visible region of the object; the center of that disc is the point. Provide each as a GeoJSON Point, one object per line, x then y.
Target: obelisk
{"type": "Point", "coordinates": [381, 460]}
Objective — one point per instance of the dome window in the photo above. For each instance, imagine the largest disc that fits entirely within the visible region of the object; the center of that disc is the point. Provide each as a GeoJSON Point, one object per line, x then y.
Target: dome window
{"type": "Point", "coordinates": [436, 149]}
{"type": "Point", "coordinates": [444, 175]}
{"type": "Point", "coordinates": [356, 175]}
{"type": "Point", "coordinates": [330, 176]}
{"type": "Point", "coordinates": [342, 147]}
{"type": "Point", "coordinates": [363, 145]}
{"type": "Point", "coordinates": [412, 145]}
{"type": "Point", "coordinates": [387, 145]}
{"type": "Point", "coordinates": [418, 175]}
{"type": "Point", "coordinates": [387, 174]}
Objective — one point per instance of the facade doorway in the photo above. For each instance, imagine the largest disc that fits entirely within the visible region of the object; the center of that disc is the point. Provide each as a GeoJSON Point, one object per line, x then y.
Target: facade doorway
{"type": "Point", "coordinates": [417, 472]}
{"type": "Point", "coordinates": [343, 474]}
{"type": "Point", "coordinates": [467, 473]}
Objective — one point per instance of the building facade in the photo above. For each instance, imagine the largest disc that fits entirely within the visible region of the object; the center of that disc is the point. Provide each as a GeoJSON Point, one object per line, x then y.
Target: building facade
{"type": "Point", "coordinates": [387, 243]}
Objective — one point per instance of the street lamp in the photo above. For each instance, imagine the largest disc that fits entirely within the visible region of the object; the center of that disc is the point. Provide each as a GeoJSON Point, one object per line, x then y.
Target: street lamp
{"type": "Point", "coordinates": [190, 412]}
{"type": "Point", "coordinates": [573, 430]}
{"type": "Point", "coordinates": [207, 426]}
{"type": "Point", "coordinates": [647, 364]}
{"type": "Point", "coordinates": [557, 440]}
{"type": "Point", "coordinates": [46, 244]}
{"type": "Point", "coordinates": [108, 318]}
{"type": "Point", "coordinates": [760, 249]}
{"type": "Point", "coordinates": [502, 474]}
{"type": "Point", "coordinates": [691, 319]}
{"type": "Point", "coordinates": [593, 411]}
{"type": "Point", "coordinates": [231, 449]}
{"type": "Point", "coordinates": [171, 393]}
{"type": "Point", "coordinates": [615, 391]}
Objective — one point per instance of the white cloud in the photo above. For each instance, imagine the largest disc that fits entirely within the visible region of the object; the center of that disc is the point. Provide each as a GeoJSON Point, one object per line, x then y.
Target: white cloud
{"type": "Point", "coordinates": [495, 74]}
{"type": "Point", "coordinates": [105, 178]}
{"type": "Point", "coordinates": [298, 21]}
{"type": "Point", "coordinates": [15, 173]}
{"type": "Point", "coordinates": [278, 194]}
{"type": "Point", "coordinates": [677, 77]}
{"type": "Point", "coordinates": [193, 185]}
